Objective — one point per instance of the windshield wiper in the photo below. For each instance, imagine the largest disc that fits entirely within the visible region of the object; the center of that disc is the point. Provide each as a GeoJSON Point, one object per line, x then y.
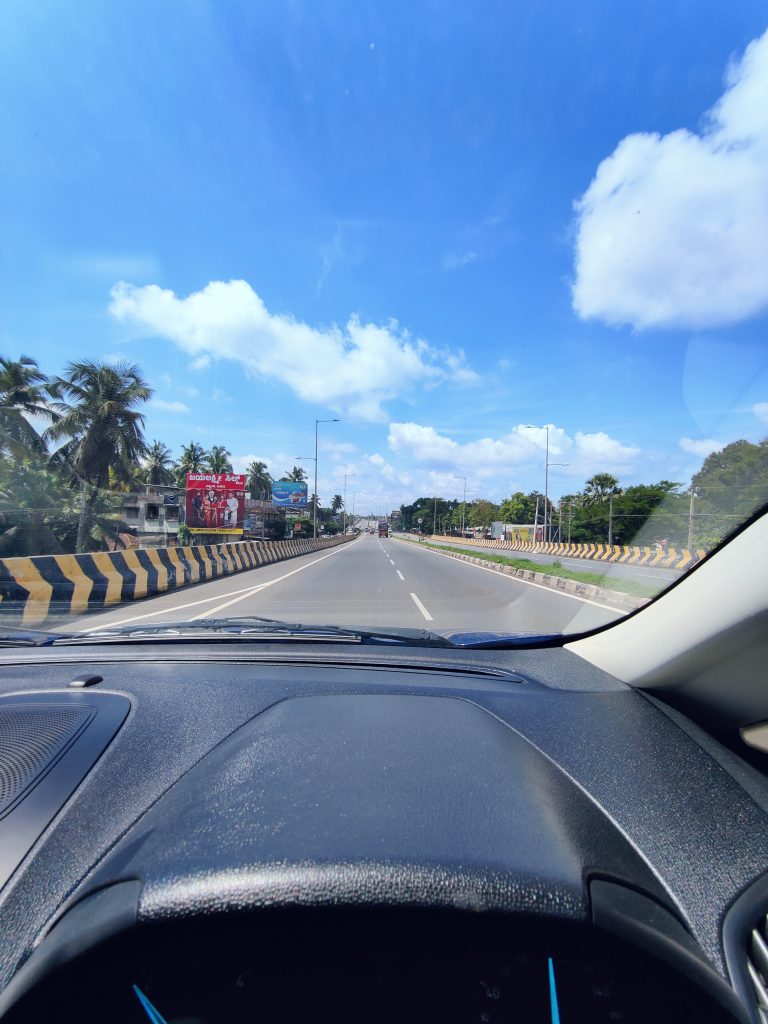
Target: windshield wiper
{"type": "Point", "coordinates": [255, 627]}
{"type": "Point", "coordinates": [16, 636]}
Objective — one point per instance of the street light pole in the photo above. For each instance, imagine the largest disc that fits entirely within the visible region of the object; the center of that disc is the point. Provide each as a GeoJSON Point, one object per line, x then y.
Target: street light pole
{"type": "Point", "coordinates": [464, 502]}
{"type": "Point", "coordinates": [546, 490]}
{"type": "Point", "coordinates": [314, 500]}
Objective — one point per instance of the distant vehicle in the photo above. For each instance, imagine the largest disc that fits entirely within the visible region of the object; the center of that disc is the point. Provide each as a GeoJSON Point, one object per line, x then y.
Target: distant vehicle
{"type": "Point", "coordinates": [383, 528]}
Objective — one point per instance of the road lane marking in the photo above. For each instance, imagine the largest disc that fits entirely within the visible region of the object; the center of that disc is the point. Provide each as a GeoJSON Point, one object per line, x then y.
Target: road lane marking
{"type": "Point", "coordinates": [261, 586]}
{"type": "Point", "coordinates": [400, 575]}
{"type": "Point", "coordinates": [422, 609]}
{"type": "Point", "coordinates": [207, 600]}
{"type": "Point", "coordinates": [528, 583]}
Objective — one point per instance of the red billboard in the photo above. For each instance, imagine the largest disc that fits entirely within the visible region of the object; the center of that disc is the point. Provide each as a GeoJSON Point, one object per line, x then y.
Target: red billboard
{"type": "Point", "coordinates": [215, 502]}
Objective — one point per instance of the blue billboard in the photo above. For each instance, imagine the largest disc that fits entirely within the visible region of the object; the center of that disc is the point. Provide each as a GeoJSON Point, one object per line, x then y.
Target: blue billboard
{"type": "Point", "coordinates": [289, 494]}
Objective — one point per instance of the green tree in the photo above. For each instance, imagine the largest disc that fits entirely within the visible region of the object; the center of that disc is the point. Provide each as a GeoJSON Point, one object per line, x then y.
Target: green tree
{"type": "Point", "coordinates": [40, 513]}
{"type": "Point", "coordinates": [600, 488]}
{"type": "Point", "coordinates": [259, 481]}
{"type": "Point", "coordinates": [193, 459]}
{"type": "Point", "coordinates": [337, 504]}
{"type": "Point", "coordinates": [158, 464]}
{"type": "Point", "coordinates": [731, 485]}
{"type": "Point", "coordinates": [297, 475]}
{"type": "Point", "coordinates": [102, 425]}
{"type": "Point", "coordinates": [521, 508]}
{"type": "Point", "coordinates": [482, 513]}
{"type": "Point", "coordinates": [24, 391]}
{"type": "Point", "coordinates": [219, 459]}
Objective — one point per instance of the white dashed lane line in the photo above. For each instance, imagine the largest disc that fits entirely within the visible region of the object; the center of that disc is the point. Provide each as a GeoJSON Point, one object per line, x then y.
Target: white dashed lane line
{"type": "Point", "coordinates": [400, 575]}
{"type": "Point", "coordinates": [421, 608]}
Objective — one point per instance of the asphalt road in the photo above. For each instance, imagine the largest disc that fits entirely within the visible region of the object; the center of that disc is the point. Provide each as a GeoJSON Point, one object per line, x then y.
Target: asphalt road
{"type": "Point", "coordinates": [370, 582]}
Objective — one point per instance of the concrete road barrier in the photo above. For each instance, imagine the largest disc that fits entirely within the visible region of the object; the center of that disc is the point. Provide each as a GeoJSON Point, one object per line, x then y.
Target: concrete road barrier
{"type": "Point", "coordinates": [31, 589]}
{"type": "Point", "coordinates": [672, 558]}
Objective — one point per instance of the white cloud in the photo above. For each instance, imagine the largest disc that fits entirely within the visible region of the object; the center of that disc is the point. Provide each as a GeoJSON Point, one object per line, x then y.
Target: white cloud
{"type": "Point", "coordinates": [673, 229]}
{"type": "Point", "coordinates": [524, 445]}
{"type": "Point", "coordinates": [240, 463]}
{"type": "Point", "coordinates": [352, 369]}
{"type": "Point", "coordinates": [386, 469]}
{"type": "Point", "coordinates": [163, 406]}
{"type": "Point", "coordinates": [113, 358]}
{"type": "Point", "coordinates": [703, 446]}
{"type": "Point", "coordinates": [760, 409]}
{"type": "Point", "coordinates": [457, 260]}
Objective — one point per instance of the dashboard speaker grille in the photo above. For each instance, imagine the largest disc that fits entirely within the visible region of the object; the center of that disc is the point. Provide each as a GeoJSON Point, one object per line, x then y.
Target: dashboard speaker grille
{"type": "Point", "coordinates": [757, 965]}
{"type": "Point", "coordinates": [32, 738]}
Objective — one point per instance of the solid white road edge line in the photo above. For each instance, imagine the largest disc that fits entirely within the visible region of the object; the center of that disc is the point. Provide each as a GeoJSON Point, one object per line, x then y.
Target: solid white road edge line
{"type": "Point", "coordinates": [528, 583]}
{"type": "Point", "coordinates": [422, 609]}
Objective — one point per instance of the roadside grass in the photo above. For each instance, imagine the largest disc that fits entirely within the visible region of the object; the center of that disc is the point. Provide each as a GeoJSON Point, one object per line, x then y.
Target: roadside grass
{"type": "Point", "coordinates": [597, 579]}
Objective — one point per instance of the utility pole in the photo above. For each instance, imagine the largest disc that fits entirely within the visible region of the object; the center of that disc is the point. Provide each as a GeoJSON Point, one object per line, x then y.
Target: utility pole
{"type": "Point", "coordinates": [570, 520]}
{"type": "Point", "coordinates": [464, 502]}
{"type": "Point", "coordinates": [546, 489]}
{"type": "Point", "coordinates": [610, 520]}
{"type": "Point", "coordinates": [434, 518]}
{"type": "Point", "coordinates": [690, 519]}
{"type": "Point", "coordinates": [314, 503]}
{"type": "Point", "coordinates": [536, 520]}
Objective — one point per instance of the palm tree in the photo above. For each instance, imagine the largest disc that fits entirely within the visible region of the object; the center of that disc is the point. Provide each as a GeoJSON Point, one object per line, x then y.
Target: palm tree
{"type": "Point", "coordinates": [297, 475]}
{"type": "Point", "coordinates": [337, 504]}
{"type": "Point", "coordinates": [24, 391]}
{"type": "Point", "coordinates": [158, 464]}
{"type": "Point", "coordinates": [218, 459]}
{"type": "Point", "coordinates": [98, 415]}
{"type": "Point", "coordinates": [600, 488]}
{"type": "Point", "coordinates": [193, 460]}
{"type": "Point", "coordinates": [259, 479]}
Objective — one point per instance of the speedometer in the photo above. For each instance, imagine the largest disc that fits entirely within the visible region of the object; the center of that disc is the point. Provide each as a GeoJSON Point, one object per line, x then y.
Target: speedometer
{"type": "Point", "coordinates": [373, 966]}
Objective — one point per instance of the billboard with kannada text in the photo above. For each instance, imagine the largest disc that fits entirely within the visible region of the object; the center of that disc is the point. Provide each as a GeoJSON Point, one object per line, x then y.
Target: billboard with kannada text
{"type": "Point", "coordinates": [215, 502]}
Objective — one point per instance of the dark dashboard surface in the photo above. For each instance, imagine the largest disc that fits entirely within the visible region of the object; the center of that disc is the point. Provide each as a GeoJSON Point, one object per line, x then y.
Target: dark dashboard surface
{"type": "Point", "coordinates": [297, 781]}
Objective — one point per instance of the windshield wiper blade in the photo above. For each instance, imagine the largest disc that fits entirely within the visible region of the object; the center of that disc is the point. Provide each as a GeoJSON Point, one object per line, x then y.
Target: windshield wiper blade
{"type": "Point", "coordinates": [259, 628]}
{"type": "Point", "coordinates": [16, 636]}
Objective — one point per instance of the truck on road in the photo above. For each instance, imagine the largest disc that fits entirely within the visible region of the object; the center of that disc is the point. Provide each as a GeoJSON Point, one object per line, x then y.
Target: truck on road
{"type": "Point", "coordinates": [383, 528]}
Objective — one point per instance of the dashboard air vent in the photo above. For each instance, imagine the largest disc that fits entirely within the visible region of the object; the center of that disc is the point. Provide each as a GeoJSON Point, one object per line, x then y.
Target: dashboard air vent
{"type": "Point", "coordinates": [757, 965]}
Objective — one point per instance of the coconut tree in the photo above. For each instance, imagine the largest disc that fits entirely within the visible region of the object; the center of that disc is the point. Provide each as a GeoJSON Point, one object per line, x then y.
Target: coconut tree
{"type": "Point", "coordinates": [219, 459]}
{"type": "Point", "coordinates": [337, 504]}
{"type": "Point", "coordinates": [297, 475]}
{"type": "Point", "coordinates": [100, 423]}
{"type": "Point", "coordinates": [193, 459]}
{"type": "Point", "coordinates": [158, 464]}
{"type": "Point", "coordinates": [24, 391]}
{"type": "Point", "coordinates": [259, 479]}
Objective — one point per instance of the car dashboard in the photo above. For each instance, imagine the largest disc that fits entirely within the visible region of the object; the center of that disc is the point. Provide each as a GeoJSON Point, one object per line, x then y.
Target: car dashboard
{"type": "Point", "coordinates": [206, 833]}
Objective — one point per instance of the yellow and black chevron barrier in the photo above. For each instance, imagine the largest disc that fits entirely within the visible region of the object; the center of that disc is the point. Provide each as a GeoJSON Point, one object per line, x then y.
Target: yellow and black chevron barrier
{"type": "Point", "coordinates": [33, 588]}
{"type": "Point", "coordinates": [672, 558]}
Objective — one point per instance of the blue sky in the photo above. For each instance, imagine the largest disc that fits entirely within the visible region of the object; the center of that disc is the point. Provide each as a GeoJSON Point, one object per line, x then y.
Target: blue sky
{"type": "Point", "coordinates": [448, 225]}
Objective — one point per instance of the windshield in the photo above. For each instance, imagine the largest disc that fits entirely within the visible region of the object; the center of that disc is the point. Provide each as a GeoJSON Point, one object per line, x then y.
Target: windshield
{"type": "Point", "coordinates": [425, 316]}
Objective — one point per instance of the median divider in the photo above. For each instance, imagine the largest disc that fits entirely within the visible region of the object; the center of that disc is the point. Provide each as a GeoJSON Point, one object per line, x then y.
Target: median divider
{"type": "Point", "coordinates": [32, 588]}
{"type": "Point", "coordinates": [586, 591]}
{"type": "Point", "coordinates": [671, 558]}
